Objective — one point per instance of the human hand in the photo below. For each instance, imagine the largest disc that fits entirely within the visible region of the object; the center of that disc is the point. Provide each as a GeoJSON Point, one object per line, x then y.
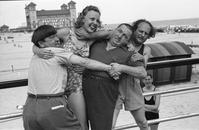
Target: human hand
{"type": "Point", "coordinates": [78, 69]}
{"type": "Point", "coordinates": [137, 57]}
{"type": "Point", "coordinates": [115, 70]}
{"type": "Point", "coordinates": [131, 47]}
{"type": "Point", "coordinates": [45, 54]}
{"type": "Point", "coordinates": [116, 67]}
{"type": "Point", "coordinates": [114, 74]}
{"type": "Point", "coordinates": [81, 34]}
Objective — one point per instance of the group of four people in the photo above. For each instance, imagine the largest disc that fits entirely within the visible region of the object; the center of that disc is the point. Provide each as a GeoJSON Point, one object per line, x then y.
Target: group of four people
{"type": "Point", "coordinates": [62, 94]}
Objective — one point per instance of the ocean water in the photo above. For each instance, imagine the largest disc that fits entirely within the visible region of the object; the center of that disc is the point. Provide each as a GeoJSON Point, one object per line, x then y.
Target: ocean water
{"type": "Point", "coordinates": [15, 56]}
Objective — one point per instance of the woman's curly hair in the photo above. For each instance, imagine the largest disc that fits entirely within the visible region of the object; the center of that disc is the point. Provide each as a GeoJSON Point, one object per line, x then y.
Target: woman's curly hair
{"type": "Point", "coordinates": [79, 22]}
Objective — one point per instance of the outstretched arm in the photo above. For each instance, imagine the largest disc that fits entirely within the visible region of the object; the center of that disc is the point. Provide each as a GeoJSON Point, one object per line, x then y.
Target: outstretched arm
{"type": "Point", "coordinates": [101, 34]}
{"type": "Point", "coordinates": [85, 62]}
{"type": "Point", "coordinates": [89, 63]}
{"type": "Point", "coordinates": [138, 71]}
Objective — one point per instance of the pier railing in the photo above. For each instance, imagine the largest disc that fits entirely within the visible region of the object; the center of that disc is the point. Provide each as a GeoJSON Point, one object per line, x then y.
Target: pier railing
{"type": "Point", "coordinates": [151, 65]}
{"type": "Point", "coordinates": [123, 127]}
{"type": "Point", "coordinates": [161, 92]}
{"type": "Point", "coordinates": [128, 126]}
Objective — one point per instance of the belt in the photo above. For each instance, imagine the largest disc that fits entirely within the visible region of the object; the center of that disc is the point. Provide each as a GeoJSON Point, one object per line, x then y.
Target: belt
{"type": "Point", "coordinates": [43, 96]}
{"type": "Point", "coordinates": [98, 77]}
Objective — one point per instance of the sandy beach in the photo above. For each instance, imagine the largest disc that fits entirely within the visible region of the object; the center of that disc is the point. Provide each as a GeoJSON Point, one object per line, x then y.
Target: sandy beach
{"type": "Point", "coordinates": [18, 54]}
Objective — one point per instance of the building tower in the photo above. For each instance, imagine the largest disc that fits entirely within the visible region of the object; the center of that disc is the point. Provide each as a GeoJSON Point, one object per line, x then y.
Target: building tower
{"type": "Point", "coordinates": [31, 16]}
{"type": "Point", "coordinates": [64, 7]}
{"type": "Point", "coordinates": [72, 9]}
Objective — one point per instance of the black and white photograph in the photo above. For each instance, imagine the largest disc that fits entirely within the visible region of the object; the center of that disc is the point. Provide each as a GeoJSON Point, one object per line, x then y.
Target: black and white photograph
{"type": "Point", "coordinates": [99, 65]}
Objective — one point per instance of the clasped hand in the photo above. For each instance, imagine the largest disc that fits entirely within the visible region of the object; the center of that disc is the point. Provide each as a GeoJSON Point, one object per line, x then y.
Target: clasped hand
{"type": "Point", "coordinates": [115, 70]}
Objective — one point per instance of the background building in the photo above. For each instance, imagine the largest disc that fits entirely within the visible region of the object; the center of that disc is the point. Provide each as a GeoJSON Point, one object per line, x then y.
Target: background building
{"type": "Point", "coordinates": [64, 17]}
{"type": "Point", "coordinates": [4, 28]}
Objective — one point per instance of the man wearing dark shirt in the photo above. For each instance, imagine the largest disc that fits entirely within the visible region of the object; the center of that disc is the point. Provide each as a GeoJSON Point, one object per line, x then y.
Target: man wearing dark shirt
{"type": "Point", "coordinates": [100, 90]}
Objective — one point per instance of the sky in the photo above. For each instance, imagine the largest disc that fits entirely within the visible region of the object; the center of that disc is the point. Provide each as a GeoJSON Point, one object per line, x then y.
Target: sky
{"type": "Point", "coordinates": [12, 13]}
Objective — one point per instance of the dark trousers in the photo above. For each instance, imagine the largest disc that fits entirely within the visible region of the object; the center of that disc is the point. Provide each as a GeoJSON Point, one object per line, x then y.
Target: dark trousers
{"type": "Point", "coordinates": [100, 97]}
{"type": "Point", "coordinates": [52, 113]}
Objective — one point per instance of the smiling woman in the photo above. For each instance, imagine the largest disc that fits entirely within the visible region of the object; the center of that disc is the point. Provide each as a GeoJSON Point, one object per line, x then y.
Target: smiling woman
{"type": "Point", "coordinates": [89, 19]}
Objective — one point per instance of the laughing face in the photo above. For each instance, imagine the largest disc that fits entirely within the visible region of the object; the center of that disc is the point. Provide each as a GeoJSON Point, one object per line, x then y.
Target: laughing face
{"type": "Point", "coordinates": [141, 34]}
{"type": "Point", "coordinates": [91, 21]}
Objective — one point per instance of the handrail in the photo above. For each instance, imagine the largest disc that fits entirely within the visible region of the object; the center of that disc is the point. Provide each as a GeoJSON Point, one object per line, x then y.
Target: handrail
{"type": "Point", "coordinates": [171, 90]}
{"type": "Point", "coordinates": [150, 65]}
{"type": "Point", "coordinates": [15, 83]}
{"type": "Point", "coordinates": [18, 114]}
{"type": "Point", "coordinates": [10, 115]}
{"type": "Point", "coordinates": [171, 63]}
{"type": "Point", "coordinates": [123, 127]}
{"type": "Point", "coordinates": [192, 45]}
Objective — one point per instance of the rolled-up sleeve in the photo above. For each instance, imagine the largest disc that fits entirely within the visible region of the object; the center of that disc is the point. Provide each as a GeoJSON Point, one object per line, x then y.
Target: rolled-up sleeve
{"type": "Point", "coordinates": [62, 55]}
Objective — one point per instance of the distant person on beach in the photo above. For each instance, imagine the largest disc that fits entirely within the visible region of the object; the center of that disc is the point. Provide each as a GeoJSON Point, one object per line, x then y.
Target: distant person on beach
{"type": "Point", "coordinates": [46, 106]}
{"type": "Point", "coordinates": [100, 90]}
{"type": "Point", "coordinates": [130, 89]}
{"type": "Point", "coordinates": [152, 103]}
{"type": "Point", "coordinates": [78, 40]}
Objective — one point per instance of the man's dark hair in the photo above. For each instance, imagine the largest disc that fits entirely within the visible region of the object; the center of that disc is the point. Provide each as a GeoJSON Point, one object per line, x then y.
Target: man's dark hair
{"type": "Point", "coordinates": [79, 22]}
{"type": "Point", "coordinates": [42, 32]}
{"type": "Point", "coordinates": [136, 24]}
